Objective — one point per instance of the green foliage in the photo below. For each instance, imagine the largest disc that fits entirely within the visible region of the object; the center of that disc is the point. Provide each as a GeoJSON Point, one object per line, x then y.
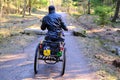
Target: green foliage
{"type": "Point", "coordinates": [40, 3]}
{"type": "Point", "coordinates": [43, 3]}
{"type": "Point", "coordinates": [104, 13]}
{"type": "Point", "coordinates": [96, 2]}
{"type": "Point", "coordinates": [75, 15]}
{"type": "Point", "coordinates": [109, 3]}
{"type": "Point", "coordinates": [75, 3]}
{"type": "Point", "coordinates": [78, 0]}
{"type": "Point", "coordinates": [67, 4]}
{"type": "Point", "coordinates": [84, 32]}
{"type": "Point", "coordinates": [102, 10]}
{"type": "Point", "coordinates": [34, 9]}
{"type": "Point", "coordinates": [1, 37]}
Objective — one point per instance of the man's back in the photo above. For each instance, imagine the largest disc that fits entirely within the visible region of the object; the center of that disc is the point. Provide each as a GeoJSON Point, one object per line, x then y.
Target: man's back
{"type": "Point", "coordinates": [53, 21]}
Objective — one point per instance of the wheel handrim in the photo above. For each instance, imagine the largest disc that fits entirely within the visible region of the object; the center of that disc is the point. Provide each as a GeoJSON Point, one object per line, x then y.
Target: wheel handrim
{"type": "Point", "coordinates": [37, 61]}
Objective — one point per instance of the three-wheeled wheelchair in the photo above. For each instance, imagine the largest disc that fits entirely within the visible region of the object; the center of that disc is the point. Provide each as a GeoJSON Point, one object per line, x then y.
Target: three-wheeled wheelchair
{"type": "Point", "coordinates": [51, 52]}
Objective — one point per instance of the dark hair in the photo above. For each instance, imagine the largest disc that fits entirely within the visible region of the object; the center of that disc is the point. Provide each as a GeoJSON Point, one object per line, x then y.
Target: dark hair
{"type": "Point", "coordinates": [51, 8]}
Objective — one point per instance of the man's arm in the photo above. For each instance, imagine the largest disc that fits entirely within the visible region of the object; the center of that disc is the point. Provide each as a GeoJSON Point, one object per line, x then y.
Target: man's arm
{"type": "Point", "coordinates": [43, 26]}
{"type": "Point", "coordinates": [63, 25]}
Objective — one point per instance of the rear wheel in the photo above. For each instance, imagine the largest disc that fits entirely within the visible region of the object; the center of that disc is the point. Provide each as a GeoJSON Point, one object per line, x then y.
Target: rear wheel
{"type": "Point", "coordinates": [36, 60]}
{"type": "Point", "coordinates": [64, 62]}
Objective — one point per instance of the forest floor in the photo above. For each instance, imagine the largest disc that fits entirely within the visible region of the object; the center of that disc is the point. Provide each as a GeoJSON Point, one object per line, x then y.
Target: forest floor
{"type": "Point", "coordinates": [103, 49]}
{"type": "Point", "coordinates": [99, 45]}
{"type": "Point", "coordinates": [12, 28]}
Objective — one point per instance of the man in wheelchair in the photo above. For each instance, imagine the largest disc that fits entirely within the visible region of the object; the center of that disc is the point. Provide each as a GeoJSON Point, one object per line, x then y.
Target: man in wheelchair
{"type": "Point", "coordinates": [54, 24]}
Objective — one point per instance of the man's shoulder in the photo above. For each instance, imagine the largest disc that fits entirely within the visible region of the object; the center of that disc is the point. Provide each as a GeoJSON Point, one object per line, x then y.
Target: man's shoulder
{"type": "Point", "coordinates": [54, 14]}
{"type": "Point", "coordinates": [58, 14]}
{"type": "Point", "coordinates": [45, 17]}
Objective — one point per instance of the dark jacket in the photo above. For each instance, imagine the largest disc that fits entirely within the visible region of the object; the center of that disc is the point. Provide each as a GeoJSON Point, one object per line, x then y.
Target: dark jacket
{"type": "Point", "coordinates": [53, 22]}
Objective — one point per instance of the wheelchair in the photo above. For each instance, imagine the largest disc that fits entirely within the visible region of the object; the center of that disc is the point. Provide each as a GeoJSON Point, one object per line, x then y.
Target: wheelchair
{"type": "Point", "coordinates": [51, 51]}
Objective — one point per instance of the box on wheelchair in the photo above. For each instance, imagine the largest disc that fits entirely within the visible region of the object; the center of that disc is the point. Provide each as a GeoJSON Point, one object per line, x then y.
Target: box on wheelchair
{"type": "Point", "coordinates": [53, 44]}
{"type": "Point", "coordinates": [49, 48]}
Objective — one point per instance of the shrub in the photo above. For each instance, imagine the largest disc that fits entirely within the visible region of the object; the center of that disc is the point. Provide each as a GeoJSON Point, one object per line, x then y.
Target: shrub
{"type": "Point", "coordinates": [104, 14]}
{"type": "Point", "coordinates": [34, 9]}
{"type": "Point", "coordinates": [41, 3]}
{"type": "Point", "coordinates": [1, 37]}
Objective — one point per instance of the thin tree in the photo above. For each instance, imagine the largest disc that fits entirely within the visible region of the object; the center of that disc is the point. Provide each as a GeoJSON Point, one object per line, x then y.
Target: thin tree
{"type": "Point", "coordinates": [24, 8]}
{"type": "Point", "coordinates": [51, 2]}
{"type": "Point", "coordinates": [8, 6]}
{"type": "Point", "coordinates": [29, 8]}
{"type": "Point", "coordinates": [116, 11]}
{"type": "Point", "coordinates": [0, 11]}
{"type": "Point", "coordinates": [88, 6]}
{"type": "Point", "coordinates": [18, 3]}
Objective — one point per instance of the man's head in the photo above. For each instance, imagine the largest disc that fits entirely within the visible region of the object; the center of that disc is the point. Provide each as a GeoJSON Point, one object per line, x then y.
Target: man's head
{"type": "Point", "coordinates": [51, 9]}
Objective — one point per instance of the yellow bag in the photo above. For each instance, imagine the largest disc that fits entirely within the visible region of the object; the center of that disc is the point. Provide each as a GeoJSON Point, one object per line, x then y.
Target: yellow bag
{"type": "Point", "coordinates": [47, 52]}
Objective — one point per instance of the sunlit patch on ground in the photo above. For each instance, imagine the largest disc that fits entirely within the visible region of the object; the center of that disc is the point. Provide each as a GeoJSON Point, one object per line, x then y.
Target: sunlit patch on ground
{"type": "Point", "coordinates": [71, 27]}
{"type": "Point", "coordinates": [11, 57]}
{"type": "Point", "coordinates": [4, 32]}
{"type": "Point", "coordinates": [104, 75]}
{"type": "Point", "coordinates": [4, 59]}
{"type": "Point", "coordinates": [102, 29]}
{"type": "Point", "coordinates": [35, 26]}
{"type": "Point", "coordinates": [95, 30]}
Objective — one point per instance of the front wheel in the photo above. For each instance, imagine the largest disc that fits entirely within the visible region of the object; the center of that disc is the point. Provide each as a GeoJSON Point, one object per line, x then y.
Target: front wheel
{"type": "Point", "coordinates": [36, 60]}
{"type": "Point", "coordinates": [64, 62]}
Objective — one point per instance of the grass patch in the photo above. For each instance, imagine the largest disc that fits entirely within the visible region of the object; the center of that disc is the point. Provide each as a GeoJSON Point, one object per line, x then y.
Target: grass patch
{"type": "Point", "coordinates": [75, 15]}
{"type": "Point", "coordinates": [106, 75]}
{"type": "Point", "coordinates": [5, 32]}
{"type": "Point", "coordinates": [116, 24]}
{"type": "Point", "coordinates": [15, 16]}
{"type": "Point", "coordinates": [19, 16]}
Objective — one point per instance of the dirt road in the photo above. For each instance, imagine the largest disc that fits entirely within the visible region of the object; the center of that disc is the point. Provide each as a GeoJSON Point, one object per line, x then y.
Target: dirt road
{"type": "Point", "coordinates": [19, 66]}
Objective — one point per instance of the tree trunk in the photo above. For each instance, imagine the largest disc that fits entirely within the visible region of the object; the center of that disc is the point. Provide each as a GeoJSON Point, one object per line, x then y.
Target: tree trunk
{"type": "Point", "coordinates": [29, 7]}
{"type": "Point", "coordinates": [0, 11]}
{"type": "Point", "coordinates": [116, 11]}
{"type": "Point", "coordinates": [24, 8]}
{"type": "Point", "coordinates": [8, 7]}
{"type": "Point", "coordinates": [17, 3]}
{"type": "Point", "coordinates": [88, 6]}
